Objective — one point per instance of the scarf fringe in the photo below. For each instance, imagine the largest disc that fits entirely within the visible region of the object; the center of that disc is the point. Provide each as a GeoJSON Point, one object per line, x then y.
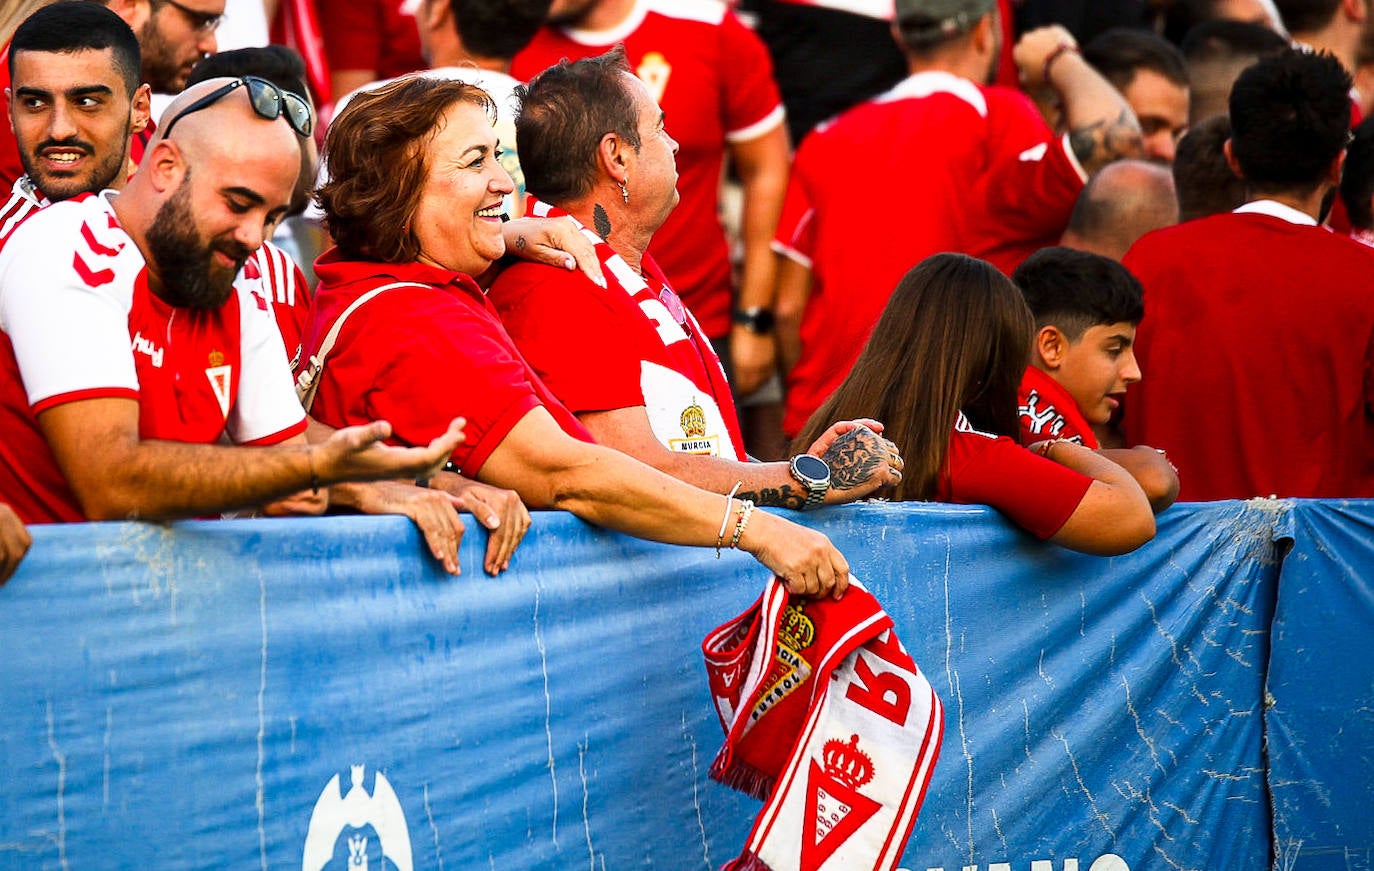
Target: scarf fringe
{"type": "Point", "coordinates": [747, 862]}
{"type": "Point", "coordinates": [741, 776]}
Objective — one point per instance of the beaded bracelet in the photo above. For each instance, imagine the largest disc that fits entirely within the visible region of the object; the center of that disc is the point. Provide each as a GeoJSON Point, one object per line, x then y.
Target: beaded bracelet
{"type": "Point", "coordinates": [746, 511]}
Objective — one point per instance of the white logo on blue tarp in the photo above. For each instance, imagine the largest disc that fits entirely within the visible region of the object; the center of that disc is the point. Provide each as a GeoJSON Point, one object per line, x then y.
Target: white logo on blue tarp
{"type": "Point", "coordinates": [360, 830]}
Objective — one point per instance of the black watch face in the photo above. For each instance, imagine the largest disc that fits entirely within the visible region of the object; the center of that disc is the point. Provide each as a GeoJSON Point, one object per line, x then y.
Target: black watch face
{"type": "Point", "coordinates": [763, 321]}
{"type": "Point", "coordinates": [811, 467]}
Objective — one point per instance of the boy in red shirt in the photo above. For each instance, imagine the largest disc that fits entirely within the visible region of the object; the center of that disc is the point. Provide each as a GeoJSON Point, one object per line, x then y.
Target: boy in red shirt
{"type": "Point", "coordinates": [1086, 309]}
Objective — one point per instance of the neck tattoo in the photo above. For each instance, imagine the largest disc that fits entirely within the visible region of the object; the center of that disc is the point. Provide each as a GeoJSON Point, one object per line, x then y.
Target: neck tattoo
{"type": "Point", "coordinates": [602, 221]}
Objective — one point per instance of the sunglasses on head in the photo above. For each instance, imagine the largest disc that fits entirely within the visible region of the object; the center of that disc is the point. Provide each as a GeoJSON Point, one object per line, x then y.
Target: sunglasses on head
{"type": "Point", "coordinates": [268, 100]}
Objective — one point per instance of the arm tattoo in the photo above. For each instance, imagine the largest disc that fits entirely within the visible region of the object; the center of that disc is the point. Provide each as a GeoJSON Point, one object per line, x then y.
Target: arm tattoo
{"type": "Point", "coordinates": [785, 496]}
{"type": "Point", "coordinates": [520, 243]}
{"type": "Point", "coordinates": [602, 221]}
{"type": "Point", "coordinates": [855, 458]}
{"type": "Point", "coordinates": [1096, 145]}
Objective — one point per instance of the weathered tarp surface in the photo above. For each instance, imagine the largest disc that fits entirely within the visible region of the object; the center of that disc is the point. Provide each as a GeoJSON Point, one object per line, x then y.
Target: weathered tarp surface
{"type": "Point", "coordinates": [302, 694]}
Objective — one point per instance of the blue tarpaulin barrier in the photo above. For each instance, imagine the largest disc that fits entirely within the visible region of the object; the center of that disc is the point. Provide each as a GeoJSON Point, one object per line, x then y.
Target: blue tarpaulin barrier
{"type": "Point", "coordinates": [310, 693]}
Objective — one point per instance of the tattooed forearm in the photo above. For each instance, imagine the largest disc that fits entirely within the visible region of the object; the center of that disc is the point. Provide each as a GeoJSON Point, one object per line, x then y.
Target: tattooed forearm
{"type": "Point", "coordinates": [520, 243]}
{"type": "Point", "coordinates": [785, 496]}
{"type": "Point", "coordinates": [1096, 145]}
{"type": "Point", "coordinates": [602, 221]}
{"type": "Point", "coordinates": [855, 458]}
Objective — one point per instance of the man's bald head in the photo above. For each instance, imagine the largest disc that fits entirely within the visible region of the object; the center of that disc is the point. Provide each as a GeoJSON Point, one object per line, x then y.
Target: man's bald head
{"type": "Point", "coordinates": [227, 128]}
{"type": "Point", "coordinates": [1123, 202]}
{"type": "Point", "coordinates": [211, 188]}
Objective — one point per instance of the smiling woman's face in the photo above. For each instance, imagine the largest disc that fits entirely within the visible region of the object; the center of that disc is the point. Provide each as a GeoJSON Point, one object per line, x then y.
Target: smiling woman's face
{"type": "Point", "coordinates": [458, 220]}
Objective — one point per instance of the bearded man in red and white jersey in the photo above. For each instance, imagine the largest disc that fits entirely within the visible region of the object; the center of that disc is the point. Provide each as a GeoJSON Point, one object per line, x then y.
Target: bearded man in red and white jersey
{"type": "Point", "coordinates": [130, 352]}
{"type": "Point", "coordinates": [963, 166]}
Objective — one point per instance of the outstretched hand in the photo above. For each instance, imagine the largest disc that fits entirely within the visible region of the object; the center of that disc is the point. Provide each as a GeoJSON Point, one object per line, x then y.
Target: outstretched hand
{"type": "Point", "coordinates": [356, 453]}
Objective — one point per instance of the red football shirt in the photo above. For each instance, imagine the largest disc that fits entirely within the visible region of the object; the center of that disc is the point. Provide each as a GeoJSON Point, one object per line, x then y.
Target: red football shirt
{"type": "Point", "coordinates": [419, 356]}
{"type": "Point", "coordinates": [963, 168]}
{"type": "Point", "coordinates": [1037, 494]}
{"type": "Point", "coordinates": [1049, 412]}
{"type": "Point", "coordinates": [714, 80]}
{"type": "Point", "coordinates": [378, 35]}
{"type": "Point", "coordinates": [1259, 348]}
{"type": "Point", "coordinates": [78, 321]}
{"type": "Point", "coordinates": [631, 343]}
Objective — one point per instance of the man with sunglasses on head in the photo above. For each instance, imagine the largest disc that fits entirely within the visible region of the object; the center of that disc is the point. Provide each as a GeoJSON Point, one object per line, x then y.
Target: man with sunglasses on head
{"type": "Point", "coordinates": [172, 36]}
{"type": "Point", "coordinates": [139, 378]}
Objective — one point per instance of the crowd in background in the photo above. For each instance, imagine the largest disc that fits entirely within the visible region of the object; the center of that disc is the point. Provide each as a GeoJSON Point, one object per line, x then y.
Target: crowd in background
{"type": "Point", "coordinates": [656, 252]}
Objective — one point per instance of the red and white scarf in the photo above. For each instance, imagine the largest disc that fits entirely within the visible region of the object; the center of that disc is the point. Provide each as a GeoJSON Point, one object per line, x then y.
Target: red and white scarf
{"type": "Point", "coordinates": [828, 719]}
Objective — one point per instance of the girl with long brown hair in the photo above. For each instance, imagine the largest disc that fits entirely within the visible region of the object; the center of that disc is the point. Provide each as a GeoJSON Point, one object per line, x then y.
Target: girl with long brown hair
{"type": "Point", "coordinates": [941, 370]}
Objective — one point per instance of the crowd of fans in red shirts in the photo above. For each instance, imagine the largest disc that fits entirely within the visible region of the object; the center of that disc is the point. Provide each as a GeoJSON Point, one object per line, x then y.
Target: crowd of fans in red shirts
{"type": "Point", "coordinates": [659, 262]}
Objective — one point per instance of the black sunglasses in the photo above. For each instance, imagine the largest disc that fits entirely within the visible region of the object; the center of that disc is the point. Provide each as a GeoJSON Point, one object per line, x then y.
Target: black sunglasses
{"type": "Point", "coordinates": [268, 100]}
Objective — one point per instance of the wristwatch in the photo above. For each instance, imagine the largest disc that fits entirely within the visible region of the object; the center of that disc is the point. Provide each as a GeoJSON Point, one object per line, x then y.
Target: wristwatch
{"type": "Point", "coordinates": [756, 319]}
{"type": "Point", "coordinates": [814, 474]}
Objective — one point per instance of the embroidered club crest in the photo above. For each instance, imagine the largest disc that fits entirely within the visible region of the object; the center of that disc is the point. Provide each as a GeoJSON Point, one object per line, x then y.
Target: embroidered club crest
{"type": "Point", "coordinates": [357, 830]}
{"type": "Point", "coordinates": [696, 441]}
{"type": "Point", "coordinates": [219, 375]}
{"type": "Point", "coordinates": [790, 669]}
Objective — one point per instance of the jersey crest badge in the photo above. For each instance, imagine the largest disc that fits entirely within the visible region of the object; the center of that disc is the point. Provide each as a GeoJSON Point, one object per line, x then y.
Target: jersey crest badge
{"type": "Point", "coordinates": [835, 809]}
{"type": "Point", "coordinates": [654, 70]}
{"type": "Point", "coordinates": [220, 379]}
{"type": "Point", "coordinates": [696, 441]}
{"type": "Point", "coordinates": [357, 830]}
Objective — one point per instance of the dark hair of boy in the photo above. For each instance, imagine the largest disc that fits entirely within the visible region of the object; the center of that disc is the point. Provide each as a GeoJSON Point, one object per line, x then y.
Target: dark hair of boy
{"type": "Point", "coordinates": [79, 25]}
{"type": "Point", "coordinates": [1075, 290]}
{"type": "Point", "coordinates": [1203, 181]}
{"type": "Point", "coordinates": [1290, 118]}
{"type": "Point", "coordinates": [1118, 54]}
{"type": "Point", "coordinates": [1357, 182]}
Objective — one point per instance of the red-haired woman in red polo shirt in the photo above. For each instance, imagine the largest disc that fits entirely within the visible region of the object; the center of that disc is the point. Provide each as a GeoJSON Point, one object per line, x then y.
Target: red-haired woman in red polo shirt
{"type": "Point", "coordinates": [414, 200]}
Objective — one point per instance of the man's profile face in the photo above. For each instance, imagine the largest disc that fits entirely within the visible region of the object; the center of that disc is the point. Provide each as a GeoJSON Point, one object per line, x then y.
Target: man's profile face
{"type": "Point", "coordinates": [72, 118]}
{"type": "Point", "coordinates": [176, 35]}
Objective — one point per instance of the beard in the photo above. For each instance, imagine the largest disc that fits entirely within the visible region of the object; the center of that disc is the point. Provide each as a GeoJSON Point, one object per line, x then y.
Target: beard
{"type": "Point", "coordinates": [64, 186]}
{"type": "Point", "coordinates": [161, 69]}
{"type": "Point", "coordinates": [185, 266]}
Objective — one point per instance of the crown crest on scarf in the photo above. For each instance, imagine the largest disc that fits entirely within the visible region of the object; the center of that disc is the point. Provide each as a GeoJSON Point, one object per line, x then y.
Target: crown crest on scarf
{"type": "Point", "coordinates": [847, 763]}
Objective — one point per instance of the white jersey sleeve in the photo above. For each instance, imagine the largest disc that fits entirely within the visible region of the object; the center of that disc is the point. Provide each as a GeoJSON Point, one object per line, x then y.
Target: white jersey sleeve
{"type": "Point", "coordinates": [66, 283]}
{"type": "Point", "coordinates": [266, 409]}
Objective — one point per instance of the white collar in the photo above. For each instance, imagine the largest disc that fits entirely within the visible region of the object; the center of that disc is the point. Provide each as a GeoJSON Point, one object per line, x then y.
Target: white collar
{"type": "Point", "coordinates": [924, 84]}
{"type": "Point", "coordinates": [1275, 209]}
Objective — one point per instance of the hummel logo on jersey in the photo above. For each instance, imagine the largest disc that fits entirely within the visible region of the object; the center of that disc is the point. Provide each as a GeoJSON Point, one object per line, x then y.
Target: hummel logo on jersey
{"type": "Point", "coordinates": [144, 346]}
